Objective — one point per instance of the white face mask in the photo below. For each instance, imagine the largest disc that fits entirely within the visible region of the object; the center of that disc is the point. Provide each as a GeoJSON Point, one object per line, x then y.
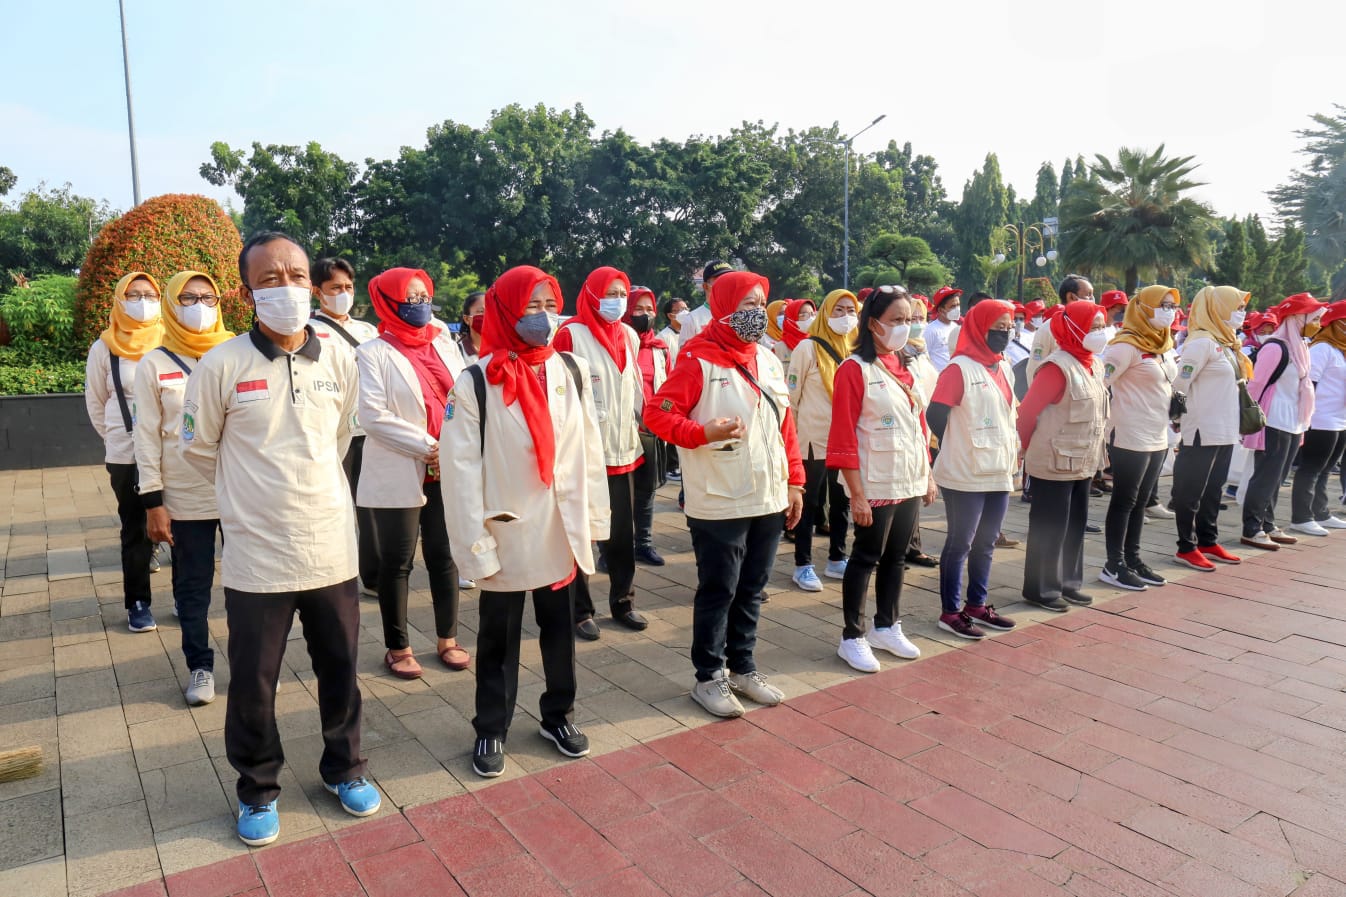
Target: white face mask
{"type": "Point", "coordinates": [1036, 321]}
{"type": "Point", "coordinates": [844, 324]}
{"type": "Point", "coordinates": [804, 322]}
{"type": "Point", "coordinates": [780, 322]}
{"type": "Point", "coordinates": [612, 308]}
{"type": "Point", "coordinates": [197, 318]}
{"type": "Point", "coordinates": [1095, 341]}
{"type": "Point", "coordinates": [141, 309]}
{"type": "Point", "coordinates": [895, 336]}
{"type": "Point", "coordinates": [340, 304]}
{"type": "Point", "coordinates": [1236, 319]}
{"type": "Point", "coordinates": [674, 317]}
{"type": "Point", "coordinates": [1164, 317]}
{"type": "Point", "coordinates": [283, 309]}
{"type": "Point", "coordinates": [954, 314]}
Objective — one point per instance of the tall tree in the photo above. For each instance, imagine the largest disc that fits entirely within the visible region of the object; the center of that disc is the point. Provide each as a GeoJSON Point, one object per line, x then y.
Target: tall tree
{"type": "Point", "coordinates": [48, 231]}
{"type": "Point", "coordinates": [1260, 271]}
{"type": "Point", "coordinates": [1231, 264]}
{"type": "Point", "coordinates": [1291, 264]}
{"type": "Point", "coordinates": [983, 211]}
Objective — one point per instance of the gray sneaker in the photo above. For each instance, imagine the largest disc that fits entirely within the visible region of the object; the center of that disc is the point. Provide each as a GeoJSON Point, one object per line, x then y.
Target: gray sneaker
{"type": "Point", "coordinates": [754, 687]}
{"type": "Point", "coordinates": [716, 697]}
{"type": "Point", "coordinates": [202, 689]}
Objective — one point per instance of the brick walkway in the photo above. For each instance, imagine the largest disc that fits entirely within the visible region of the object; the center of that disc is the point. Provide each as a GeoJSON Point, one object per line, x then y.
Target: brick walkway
{"type": "Point", "coordinates": [1183, 741]}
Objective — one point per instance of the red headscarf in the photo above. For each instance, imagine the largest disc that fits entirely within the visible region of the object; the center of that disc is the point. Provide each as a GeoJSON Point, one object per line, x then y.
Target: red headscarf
{"type": "Point", "coordinates": [1070, 326]}
{"type": "Point", "coordinates": [1054, 312]}
{"type": "Point", "coordinates": [650, 338]}
{"type": "Point", "coordinates": [389, 289]}
{"type": "Point", "coordinates": [793, 335]}
{"type": "Point", "coordinates": [717, 342]}
{"type": "Point", "coordinates": [972, 335]}
{"type": "Point", "coordinates": [1034, 309]}
{"type": "Point", "coordinates": [609, 335]}
{"type": "Point", "coordinates": [512, 360]}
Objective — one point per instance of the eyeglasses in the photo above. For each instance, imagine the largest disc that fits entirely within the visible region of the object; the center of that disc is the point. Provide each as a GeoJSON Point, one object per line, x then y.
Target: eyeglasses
{"type": "Point", "coordinates": [892, 288]}
{"type": "Point", "coordinates": [142, 297]}
{"type": "Point", "coordinates": [209, 300]}
{"type": "Point", "coordinates": [422, 299]}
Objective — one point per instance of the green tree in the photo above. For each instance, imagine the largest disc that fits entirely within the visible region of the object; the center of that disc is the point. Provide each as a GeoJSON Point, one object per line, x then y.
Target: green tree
{"type": "Point", "coordinates": [1260, 272]}
{"type": "Point", "coordinates": [1292, 264]}
{"type": "Point", "coordinates": [48, 231]}
{"type": "Point", "coordinates": [979, 217]}
{"type": "Point", "coordinates": [1231, 264]}
{"type": "Point", "coordinates": [7, 179]}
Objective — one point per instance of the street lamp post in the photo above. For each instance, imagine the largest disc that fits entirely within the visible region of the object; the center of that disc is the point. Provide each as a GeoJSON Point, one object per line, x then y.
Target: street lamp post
{"type": "Point", "coordinates": [130, 116]}
{"type": "Point", "coordinates": [1027, 237]}
{"type": "Point", "coordinates": [846, 204]}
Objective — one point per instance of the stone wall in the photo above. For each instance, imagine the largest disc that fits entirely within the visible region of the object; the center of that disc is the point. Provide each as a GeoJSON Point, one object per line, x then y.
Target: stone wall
{"type": "Point", "coordinates": [47, 431]}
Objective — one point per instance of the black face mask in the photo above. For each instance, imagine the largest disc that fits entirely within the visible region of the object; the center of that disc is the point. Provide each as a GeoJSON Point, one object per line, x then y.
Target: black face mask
{"type": "Point", "coordinates": [641, 323]}
{"type": "Point", "coordinates": [997, 340]}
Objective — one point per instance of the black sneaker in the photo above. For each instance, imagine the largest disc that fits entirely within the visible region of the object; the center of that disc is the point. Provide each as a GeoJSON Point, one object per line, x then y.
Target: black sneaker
{"type": "Point", "coordinates": [1056, 605]}
{"type": "Point", "coordinates": [488, 757]}
{"type": "Point", "coordinates": [646, 554]}
{"type": "Point", "coordinates": [1147, 576]}
{"type": "Point", "coordinates": [1075, 596]}
{"type": "Point", "coordinates": [1122, 578]}
{"type": "Point", "coordinates": [568, 739]}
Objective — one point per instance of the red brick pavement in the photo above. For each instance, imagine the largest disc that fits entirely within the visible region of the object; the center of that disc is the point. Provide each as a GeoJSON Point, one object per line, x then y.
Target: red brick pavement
{"type": "Point", "coordinates": [1186, 741]}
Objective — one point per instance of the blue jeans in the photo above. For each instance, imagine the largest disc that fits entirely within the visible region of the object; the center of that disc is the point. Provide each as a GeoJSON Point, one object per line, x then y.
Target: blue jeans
{"type": "Point", "coordinates": [733, 564]}
{"type": "Point", "coordinates": [193, 573]}
{"type": "Point", "coordinates": [973, 521]}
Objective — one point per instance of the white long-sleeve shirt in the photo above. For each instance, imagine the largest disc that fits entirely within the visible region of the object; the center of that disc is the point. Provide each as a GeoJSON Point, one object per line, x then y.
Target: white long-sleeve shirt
{"type": "Point", "coordinates": [100, 398]}
{"type": "Point", "coordinates": [937, 346]}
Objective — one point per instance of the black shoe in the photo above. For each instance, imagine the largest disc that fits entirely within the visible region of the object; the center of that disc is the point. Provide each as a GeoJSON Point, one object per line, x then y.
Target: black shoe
{"type": "Point", "coordinates": [488, 757]}
{"type": "Point", "coordinates": [1146, 575]}
{"type": "Point", "coordinates": [587, 629]}
{"type": "Point", "coordinates": [788, 535]}
{"type": "Point", "coordinates": [568, 739]}
{"type": "Point", "coordinates": [921, 559]}
{"type": "Point", "coordinates": [1092, 528]}
{"type": "Point", "coordinates": [647, 555]}
{"type": "Point", "coordinates": [822, 529]}
{"type": "Point", "coordinates": [1055, 605]}
{"type": "Point", "coordinates": [1075, 596]}
{"type": "Point", "coordinates": [1026, 498]}
{"type": "Point", "coordinates": [630, 618]}
{"type": "Point", "coordinates": [1095, 492]}
{"type": "Point", "coordinates": [1122, 578]}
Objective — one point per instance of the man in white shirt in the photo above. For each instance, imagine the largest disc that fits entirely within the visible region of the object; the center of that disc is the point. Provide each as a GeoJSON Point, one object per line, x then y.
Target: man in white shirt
{"type": "Point", "coordinates": [674, 311]}
{"type": "Point", "coordinates": [947, 311]}
{"type": "Point", "coordinates": [694, 321]}
{"type": "Point", "coordinates": [267, 419]}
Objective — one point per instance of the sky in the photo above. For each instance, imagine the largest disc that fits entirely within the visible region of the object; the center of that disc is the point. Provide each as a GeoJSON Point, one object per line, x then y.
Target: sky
{"type": "Point", "coordinates": [1228, 81]}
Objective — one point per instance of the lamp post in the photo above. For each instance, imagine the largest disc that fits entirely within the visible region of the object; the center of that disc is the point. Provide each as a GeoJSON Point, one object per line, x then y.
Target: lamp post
{"type": "Point", "coordinates": [1024, 241]}
{"type": "Point", "coordinates": [846, 204]}
{"type": "Point", "coordinates": [130, 116]}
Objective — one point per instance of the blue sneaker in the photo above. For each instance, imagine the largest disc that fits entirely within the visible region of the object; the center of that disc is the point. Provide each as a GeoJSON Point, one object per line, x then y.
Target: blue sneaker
{"type": "Point", "coordinates": [358, 797]}
{"type": "Point", "coordinates": [258, 824]}
{"type": "Point", "coordinates": [139, 618]}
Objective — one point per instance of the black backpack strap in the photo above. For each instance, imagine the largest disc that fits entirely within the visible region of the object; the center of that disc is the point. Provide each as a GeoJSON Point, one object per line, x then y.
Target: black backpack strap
{"type": "Point", "coordinates": [479, 387]}
{"type": "Point", "coordinates": [1280, 365]}
{"type": "Point", "coordinates": [766, 395]}
{"type": "Point", "coordinates": [121, 393]}
{"type": "Point", "coordinates": [341, 331]}
{"type": "Point", "coordinates": [176, 360]}
{"type": "Point", "coordinates": [830, 351]}
{"type": "Point", "coordinates": [574, 373]}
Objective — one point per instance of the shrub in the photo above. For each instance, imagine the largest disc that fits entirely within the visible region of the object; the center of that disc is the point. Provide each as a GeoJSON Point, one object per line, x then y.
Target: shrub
{"type": "Point", "coordinates": [40, 315]}
{"type": "Point", "coordinates": [34, 379]}
{"type": "Point", "coordinates": [162, 236]}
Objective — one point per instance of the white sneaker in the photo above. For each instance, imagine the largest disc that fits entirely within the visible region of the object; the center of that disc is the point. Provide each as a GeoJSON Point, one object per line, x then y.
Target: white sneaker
{"type": "Point", "coordinates": [1309, 528]}
{"type": "Point", "coordinates": [755, 688]}
{"type": "Point", "coordinates": [202, 689]}
{"type": "Point", "coordinates": [466, 583]}
{"type": "Point", "coordinates": [1332, 523]}
{"type": "Point", "coordinates": [835, 569]}
{"type": "Point", "coordinates": [893, 641]}
{"type": "Point", "coordinates": [1158, 512]}
{"type": "Point", "coordinates": [807, 579]}
{"type": "Point", "coordinates": [857, 653]}
{"type": "Point", "coordinates": [716, 697]}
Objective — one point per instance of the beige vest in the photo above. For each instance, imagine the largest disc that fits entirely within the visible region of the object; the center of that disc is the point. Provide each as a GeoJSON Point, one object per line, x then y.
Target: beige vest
{"type": "Point", "coordinates": [746, 477]}
{"type": "Point", "coordinates": [894, 456]}
{"type": "Point", "coordinates": [617, 394]}
{"type": "Point", "coordinates": [980, 449]}
{"type": "Point", "coordinates": [1067, 443]}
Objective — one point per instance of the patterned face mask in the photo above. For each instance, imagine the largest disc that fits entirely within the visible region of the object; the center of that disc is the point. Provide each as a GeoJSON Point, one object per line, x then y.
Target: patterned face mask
{"type": "Point", "coordinates": [748, 324]}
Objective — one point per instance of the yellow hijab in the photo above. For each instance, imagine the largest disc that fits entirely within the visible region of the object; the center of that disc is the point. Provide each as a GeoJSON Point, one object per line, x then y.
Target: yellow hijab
{"type": "Point", "coordinates": [773, 311]}
{"type": "Point", "coordinates": [918, 342]}
{"type": "Point", "coordinates": [179, 339]}
{"type": "Point", "coordinates": [1137, 327]}
{"type": "Point", "coordinates": [842, 345]}
{"type": "Point", "coordinates": [125, 336]}
{"type": "Point", "coordinates": [1332, 335]}
{"type": "Point", "coordinates": [1211, 308]}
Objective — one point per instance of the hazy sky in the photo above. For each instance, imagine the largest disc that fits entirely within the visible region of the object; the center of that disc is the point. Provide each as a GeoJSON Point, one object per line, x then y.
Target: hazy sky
{"type": "Point", "coordinates": [1228, 81]}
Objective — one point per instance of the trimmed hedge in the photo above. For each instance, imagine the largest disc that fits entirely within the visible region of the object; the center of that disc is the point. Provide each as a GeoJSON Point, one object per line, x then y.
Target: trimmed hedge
{"type": "Point", "coordinates": [36, 379]}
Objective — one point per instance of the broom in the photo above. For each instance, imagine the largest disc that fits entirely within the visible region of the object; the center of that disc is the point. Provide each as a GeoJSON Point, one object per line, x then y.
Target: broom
{"type": "Point", "coordinates": [21, 764]}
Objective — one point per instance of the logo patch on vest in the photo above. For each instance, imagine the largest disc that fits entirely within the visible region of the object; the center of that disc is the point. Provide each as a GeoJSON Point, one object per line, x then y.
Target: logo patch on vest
{"type": "Point", "coordinates": [449, 408]}
{"type": "Point", "coordinates": [188, 427]}
{"type": "Point", "coordinates": [888, 421]}
{"type": "Point", "coordinates": [666, 405]}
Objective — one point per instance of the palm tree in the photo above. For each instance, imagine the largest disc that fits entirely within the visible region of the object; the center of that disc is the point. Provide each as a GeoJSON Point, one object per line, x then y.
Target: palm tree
{"type": "Point", "coordinates": [1130, 216]}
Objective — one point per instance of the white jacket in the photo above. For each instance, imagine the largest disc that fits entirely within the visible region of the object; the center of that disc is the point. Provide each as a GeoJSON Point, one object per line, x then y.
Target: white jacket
{"type": "Point", "coordinates": [100, 398]}
{"type": "Point", "coordinates": [161, 386]}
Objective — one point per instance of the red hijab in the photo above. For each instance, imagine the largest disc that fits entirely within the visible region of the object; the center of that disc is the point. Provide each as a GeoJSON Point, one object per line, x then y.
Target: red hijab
{"type": "Point", "coordinates": [717, 342]}
{"type": "Point", "coordinates": [512, 360]}
{"type": "Point", "coordinates": [609, 335]}
{"type": "Point", "coordinates": [972, 335]}
{"type": "Point", "coordinates": [793, 308]}
{"type": "Point", "coordinates": [650, 338]}
{"type": "Point", "coordinates": [389, 289]}
{"type": "Point", "coordinates": [1070, 326]}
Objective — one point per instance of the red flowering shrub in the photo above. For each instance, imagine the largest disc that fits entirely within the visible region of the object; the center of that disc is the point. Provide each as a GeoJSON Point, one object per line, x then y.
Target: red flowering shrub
{"type": "Point", "coordinates": [164, 235]}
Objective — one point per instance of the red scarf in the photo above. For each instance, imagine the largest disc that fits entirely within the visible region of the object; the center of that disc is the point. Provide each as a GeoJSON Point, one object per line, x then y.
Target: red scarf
{"type": "Point", "coordinates": [1070, 326]}
{"type": "Point", "coordinates": [608, 334]}
{"type": "Point", "coordinates": [512, 360]}
{"type": "Point", "coordinates": [793, 335]}
{"type": "Point", "coordinates": [717, 342]}
{"type": "Point", "coordinates": [386, 292]}
{"type": "Point", "coordinates": [972, 335]}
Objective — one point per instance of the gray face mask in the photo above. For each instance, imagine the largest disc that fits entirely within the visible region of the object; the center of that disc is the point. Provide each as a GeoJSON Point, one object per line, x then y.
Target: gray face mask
{"type": "Point", "coordinates": [534, 329]}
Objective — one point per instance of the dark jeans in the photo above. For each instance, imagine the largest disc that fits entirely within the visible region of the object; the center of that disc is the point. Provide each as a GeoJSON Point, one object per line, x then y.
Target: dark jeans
{"type": "Point", "coordinates": [193, 573]}
{"type": "Point", "coordinates": [398, 529]}
{"type": "Point", "coordinates": [646, 480]}
{"type": "Point", "coordinates": [1134, 476]}
{"type": "Point", "coordinates": [1054, 559]}
{"type": "Point", "coordinates": [818, 479]}
{"type": "Point", "coordinates": [973, 522]}
{"type": "Point", "coordinates": [1199, 472]}
{"type": "Point", "coordinates": [881, 546]}
{"type": "Point", "coordinates": [498, 658]}
{"type": "Point", "coordinates": [1270, 468]}
{"type": "Point", "coordinates": [619, 553]}
{"type": "Point", "coordinates": [137, 549]}
{"type": "Point", "coordinates": [1322, 450]}
{"type": "Point", "coordinates": [259, 624]}
{"type": "Point", "coordinates": [733, 564]}
{"type": "Point", "coordinates": [364, 518]}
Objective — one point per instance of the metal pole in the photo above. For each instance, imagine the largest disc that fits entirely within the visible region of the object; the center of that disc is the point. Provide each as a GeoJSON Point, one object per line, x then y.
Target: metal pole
{"type": "Point", "coordinates": [130, 116]}
{"type": "Point", "coordinates": [846, 222]}
{"type": "Point", "coordinates": [1023, 260]}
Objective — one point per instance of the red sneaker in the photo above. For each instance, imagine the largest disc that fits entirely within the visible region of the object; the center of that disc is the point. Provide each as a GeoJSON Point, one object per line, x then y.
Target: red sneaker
{"type": "Point", "coordinates": [1217, 553]}
{"type": "Point", "coordinates": [1196, 560]}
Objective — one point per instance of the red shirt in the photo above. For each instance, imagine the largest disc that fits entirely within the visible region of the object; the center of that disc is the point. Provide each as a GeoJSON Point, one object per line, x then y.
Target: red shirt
{"type": "Point", "coordinates": [949, 386]}
{"type": "Point", "coordinates": [848, 397]}
{"type": "Point", "coordinates": [1048, 388]}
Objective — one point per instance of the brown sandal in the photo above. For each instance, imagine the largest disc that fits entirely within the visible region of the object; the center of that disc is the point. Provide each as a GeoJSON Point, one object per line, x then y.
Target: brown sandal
{"type": "Point", "coordinates": [455, 657]}
{"type": "Point", "coordinates": [391, 661]}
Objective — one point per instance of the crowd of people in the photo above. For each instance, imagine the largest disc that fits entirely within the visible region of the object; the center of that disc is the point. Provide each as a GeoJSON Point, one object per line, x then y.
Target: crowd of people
{"type": "Point", "coordinates": [323, 450]}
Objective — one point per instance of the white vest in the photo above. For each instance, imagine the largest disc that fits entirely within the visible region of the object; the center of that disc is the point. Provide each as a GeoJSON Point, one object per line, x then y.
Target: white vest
{"type": "Point", "coordinates": [1067, 443]}
{"type": "Point", "coordinates": [747, 477]}
{"type": "Point", "coordinates": [980, 448]}
{"type": "Point", "coordinates": [893, 449]}
{"type": "Point", "coordinates": [618, 398]}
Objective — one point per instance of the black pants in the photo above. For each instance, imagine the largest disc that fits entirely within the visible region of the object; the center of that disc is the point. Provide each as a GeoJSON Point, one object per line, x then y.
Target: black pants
{"type": "Point", "coordinates": [259, 624]}
{"type": "Point", "coordinates": [646, 480]}
{"type": "Point", "coordinates": [1271, 466]}
{"type": "Point", "coordinates": [193, 573]}
{"type": "Point", "coordinates": [1321, 452]}
{"type": "Point", "coordinates": [973, 522]}
{"type": "Point", "coordinates": [1054, 558]}
{"type": "Point", "coordinates": [733, 564]}
{"type": "Point", "coordinates": [619, 553]}
{"type": "Point", "coordinates": [817, 481]}
{"type": "Point", "coordinates": [1199, 472]}
{"type": "Point", "coordinates": [137, 549]}
{"type": "Point", "coordinates": [1134, 476]}
{"type": "Point", "coordinates": [364, 518]}
{"type": "Point", "coordinates": [881, 546]}
{"type": "Point", "coordinates": [398, 529]}
{"type": "Point", "coordinates": [498, 658]}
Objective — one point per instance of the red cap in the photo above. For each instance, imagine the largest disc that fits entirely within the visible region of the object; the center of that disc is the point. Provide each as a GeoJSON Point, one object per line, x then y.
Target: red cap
{"type": "Point", "coordinates": [864, 294]}
{"type": "Point", "coordinates": [1335, 312]}
{"type": "Point", "coordinates": [1034, 309]}
{"type": "Point", "coordinates": [1018, 307]}
{"type": "Point", "coordinates": [1113, 298]}
{"type": "Point", "coordinates": [944, 293]}
{"type": "Point", "coordinates": [1298, 304]}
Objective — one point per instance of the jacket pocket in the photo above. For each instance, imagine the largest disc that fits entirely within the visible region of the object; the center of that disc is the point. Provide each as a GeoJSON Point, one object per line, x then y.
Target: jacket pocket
{"type": "Point", "coordinates": [1073, 454]}
{"type": "Point", "coordinates": [885, 458]}
{"type": "Point", "coordinates": [727, 473]}
{"type": "Point", "coordinates": [991, 454]}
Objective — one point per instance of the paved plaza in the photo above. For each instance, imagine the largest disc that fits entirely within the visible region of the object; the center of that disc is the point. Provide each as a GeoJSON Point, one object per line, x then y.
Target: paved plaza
{"type": "Point", "coordinates": [1183, 741]}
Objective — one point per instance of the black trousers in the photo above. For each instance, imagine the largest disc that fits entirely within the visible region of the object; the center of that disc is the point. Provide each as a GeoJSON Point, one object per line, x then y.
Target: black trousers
{"type": "Point", "coordinates": [646, 480]}
{"type": "Point", "coordinates": [498, 658]}
{"type": "Point", "coordinates": [818, 480]}
{"type": "Point", "coordinates": [137, 549]}
{"type": "Point", "coordinates": [1134, 476]}
{"type": "Point", "coordinates": [1271, 466]}
{"type": "Point", "coordinates": [619, 552]}
{"type": "Point", "coordinates": [881, 546]}
{"type": "Point", "coordinates": [1054, 558]}
{"type": "Point", "coordinates": [259, 624]}
{"type": "Point", "coordinates": [733, 565]}
{"type": "Point", "coordinates": [193, 574]}
{"type": "Point", "coordinates": [1321, 452]}
{"type": "Point", "coordinates": [1199, 472]}
{"type": "Point", "coordinates": [398, 529]}
{"type": "Point", "coordinates": [364, 517]}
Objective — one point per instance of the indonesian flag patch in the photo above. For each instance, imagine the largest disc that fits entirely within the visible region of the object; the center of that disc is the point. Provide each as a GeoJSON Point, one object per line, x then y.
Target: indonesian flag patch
{"type": "Point", "coordinates": [171, 375]}
{"type": "Point", "coordinates": [251, 391]}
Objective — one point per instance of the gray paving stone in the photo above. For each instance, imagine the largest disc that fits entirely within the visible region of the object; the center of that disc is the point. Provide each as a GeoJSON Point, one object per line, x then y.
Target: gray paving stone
{"type": "Point", "coordinates": [109, 849]}
{"type": "Point", "coordinates": [74, 608]}
{"type": "Point", "coordinates": [82, 657]}
{"type": "Point", "coordinates": [100, 781]}
{"type": "Point", "coordinates": [45, 878]}
{"type": "Point", "coordinates": [166, 742]}
{"type": "Point", "coordinates": [87, 691]}
{"type": "Point", "coordinates": [198, 844]}
{"type": "Point", "coordinates": [21, 684]}
{"type": "Point", "coordinates": [67, 563]}
{"type": "Point", "coordinates": [183, 794]}
{"type": "Point", "coordinates": [30, 828]}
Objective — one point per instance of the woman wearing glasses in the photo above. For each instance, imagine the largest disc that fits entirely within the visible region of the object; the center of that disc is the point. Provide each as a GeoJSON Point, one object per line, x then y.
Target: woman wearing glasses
{"type": "Point", "coordinates": [406, 380]}
{"type": "Point", "coordinates": [179, 503]}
